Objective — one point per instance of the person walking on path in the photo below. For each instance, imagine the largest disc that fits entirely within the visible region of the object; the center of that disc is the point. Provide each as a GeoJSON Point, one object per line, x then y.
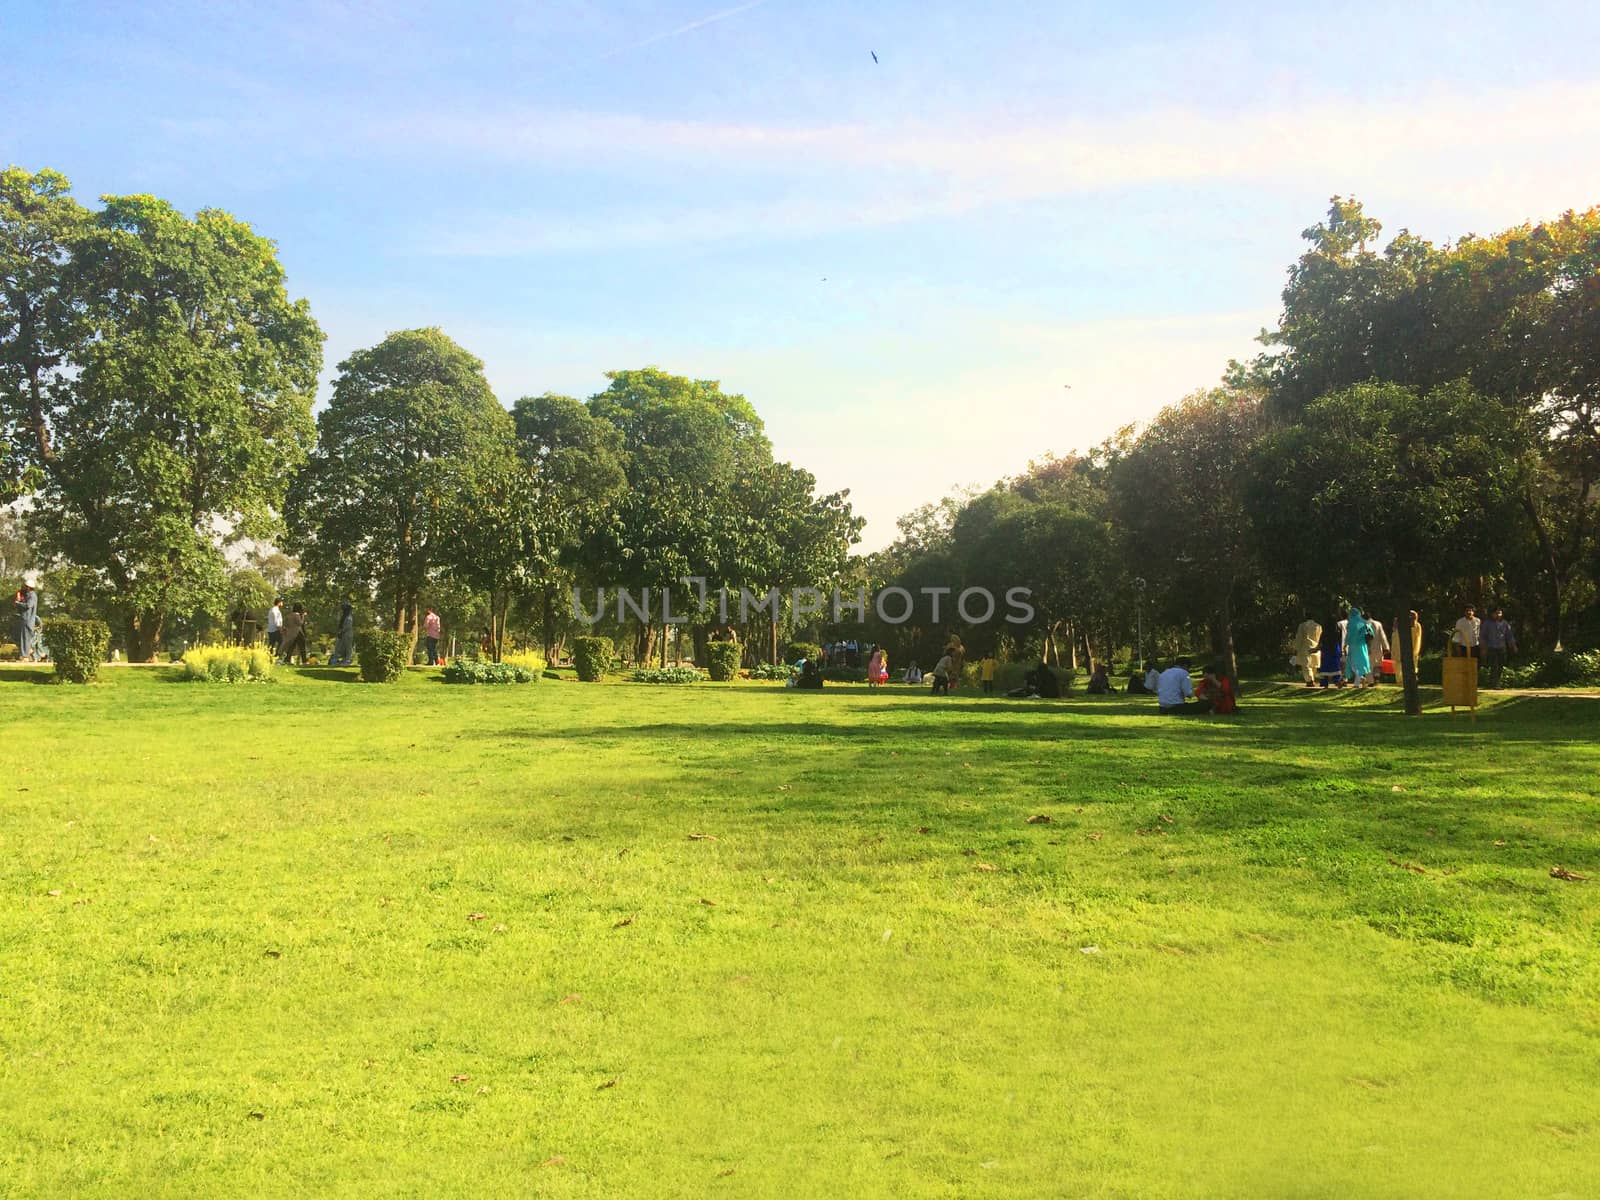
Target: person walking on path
{"type": "Point", "coordinates": [294, 634]}
{"type": "Point", "coordinates": [275, 627]}
{"type": "Point", "coordinates": [1465, 640]}
{"type": "Point", "coordinates": [430, 635]}
{"type": "Point", "coordinates": [26, 604]}
{"type": "Point", "coordinates": [344, 647]}
{"type": "Point", "coordinates": [1308, 650]}
{"type": "Point", "coordinates": [1497, 638]}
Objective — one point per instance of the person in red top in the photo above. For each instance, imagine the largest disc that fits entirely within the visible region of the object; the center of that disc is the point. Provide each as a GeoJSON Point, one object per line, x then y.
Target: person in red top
{"type": "Point", "coordinates": [430, 635]}
{"type": "Point", "coordinates": [1218, 688]}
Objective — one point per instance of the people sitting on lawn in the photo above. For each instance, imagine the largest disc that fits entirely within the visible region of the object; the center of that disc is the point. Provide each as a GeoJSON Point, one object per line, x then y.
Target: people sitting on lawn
{"type": "Point", "coordinates": [1217, 687]}
{"type": "Point", "coordinates": [1175, 693]}
{"type": "Point", "coordinates": [1099, 685]}
{"type": "Point", "coordinates": [913, 673]}
{"type": "Point", "coordinates": [1039, 683]}
{"type": "Point", "coordinates": [810, 674]}
{"type": "Point", "coordinates": [1136, 681]}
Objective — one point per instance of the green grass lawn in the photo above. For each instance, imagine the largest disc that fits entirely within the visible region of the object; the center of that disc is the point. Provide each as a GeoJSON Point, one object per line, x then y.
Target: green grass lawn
{"type": "Point", "coordinates": [314, 938]}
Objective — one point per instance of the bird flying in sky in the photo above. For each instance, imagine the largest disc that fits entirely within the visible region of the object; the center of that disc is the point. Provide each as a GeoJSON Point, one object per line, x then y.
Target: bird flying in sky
{"type": "Point", "coordinates": [874, 54]}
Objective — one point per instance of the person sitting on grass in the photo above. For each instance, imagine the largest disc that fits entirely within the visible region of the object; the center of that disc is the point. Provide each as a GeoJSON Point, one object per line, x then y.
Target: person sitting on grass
{"type": "Point", "coordinates": [1217, 687]}
{"type": "Point", "coordinates": [1175, 693]}
{"type": "Point", "coordinates": [942, 670]}
{"type": "Point", "coordinates": [1099, 685]}
{"type": "Point", "coordinates": [913, 673]}
{"type": "Point", "coordinates": [1038, 684]}
{"type": "Point", "coordinates": [1135, 685]}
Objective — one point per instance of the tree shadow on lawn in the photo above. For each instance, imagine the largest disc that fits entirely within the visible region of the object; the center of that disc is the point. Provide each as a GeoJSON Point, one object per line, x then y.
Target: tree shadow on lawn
{"type": "Point", "coordinates": [43, 673]}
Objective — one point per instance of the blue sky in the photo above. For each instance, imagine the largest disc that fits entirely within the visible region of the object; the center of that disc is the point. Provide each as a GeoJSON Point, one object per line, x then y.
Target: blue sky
{"type": "Point", "coordinates": [901, 263]}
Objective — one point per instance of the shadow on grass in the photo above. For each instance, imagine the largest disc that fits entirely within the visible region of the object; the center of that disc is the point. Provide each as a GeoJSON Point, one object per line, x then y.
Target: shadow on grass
{"type": "Point", "coordinates": [18, 673]}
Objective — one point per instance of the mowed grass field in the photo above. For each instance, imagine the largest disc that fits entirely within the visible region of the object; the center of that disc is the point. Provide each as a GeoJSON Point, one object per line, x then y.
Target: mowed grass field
{"type": "Point", "coordinates": [315, 938]}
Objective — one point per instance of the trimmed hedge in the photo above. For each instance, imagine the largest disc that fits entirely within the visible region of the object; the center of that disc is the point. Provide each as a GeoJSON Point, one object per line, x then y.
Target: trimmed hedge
{"type": "Point", "coordinates": [593, 657]}
{"type": "Point", "coordinates": [383, 654]}
{"type": "Point", "coordinates": [809, 651]}
{"type": "Point", "coordinates": [845, 674]}
{"type": "Point", "coordinates": [481, 670]}
{"type": "Point", "coordinates": [722, 660]}
{"type": "Point", "coordinates": [77, 647]}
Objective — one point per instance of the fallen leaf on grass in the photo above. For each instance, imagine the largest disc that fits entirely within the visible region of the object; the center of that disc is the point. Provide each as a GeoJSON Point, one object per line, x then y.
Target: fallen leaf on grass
{"type": "Point", "coordinates": [53, 892]}
{"type": "Point", "coordinates": [555, 1160]}
{"type": "Point", "coordinates": [475, 916]}
{"type": "Point", "coordinates": [924, 829]}
{"type": "Point", "coordinates": [1409, 866]}
{"type": "Point", "coordinates": [708, 903]}
{"type": "Point", "coordinates": [987, 867]}
{"type": "Point", "coordinates": [702, 837]}
{"type": "Point", "coordinates": [1500, 841]}
{"type": "Point", "coordinates": [624, 921]}
{"type": "Point", "coordinates": [499, 928]}
{"type": "Point", "coordinates": [1095, 837]}
{"type": "Point", "coordinates": [570, 998]}
{"type": "Point", "coordinates": [1569, 876]}
{"type": "Point", "coordinates": [461, 1079]}
{"type": "Point", "coordinates": [622, 852]}
{"type": "Point", "coordinates": [1164, 817]}
{"type": "Point", "coordinates": [272, 953]}
{"type": "Point", "coordinates": [258, 1116]}
{"type": "Point", "coordinates": [610, 1083]}
{"type": "Point", "coordinates": [1088, 949]}
{"type": "Point", "coordinates": [725, 1174]}
{"type": "Point", "coordinates": [783, 787]}
{"type": "Point", "coordinates": [1397, 788]}
{"type": "Point", "coordinates": [1039, 819]}
{"type": "Point", "coordinates": [483, 1091]}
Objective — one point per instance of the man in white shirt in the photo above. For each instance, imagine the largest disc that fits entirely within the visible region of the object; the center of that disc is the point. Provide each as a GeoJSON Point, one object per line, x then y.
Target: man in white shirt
{"type": "Point", "coordinates": [275, 626]}
{"type": "Point", "coordinates": [1174, 688]}
{"type": "Point", "coordinates": [1464, 641]}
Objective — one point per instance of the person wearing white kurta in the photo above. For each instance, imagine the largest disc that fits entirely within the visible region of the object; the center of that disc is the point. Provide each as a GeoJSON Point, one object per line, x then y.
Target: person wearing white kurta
{"type": "Point", "coordinates": [1308, 650]}
{"type": "Point", "coordinates": [1380, 650]}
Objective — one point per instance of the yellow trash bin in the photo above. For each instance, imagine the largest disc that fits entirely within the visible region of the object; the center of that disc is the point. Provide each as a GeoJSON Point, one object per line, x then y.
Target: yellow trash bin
{"type": "Point", "coordinates": [1461, 684]}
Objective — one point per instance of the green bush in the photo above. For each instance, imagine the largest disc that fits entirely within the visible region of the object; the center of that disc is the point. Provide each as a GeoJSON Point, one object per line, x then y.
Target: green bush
{"type": "Point", "coordinates": [77, 647]}
{"type": "Point", "coordinates": [383, 654]}
{"type": "Point", "coordinates": [528, 660]}
{"type": "Point", "coordinates": [593, 657]}
{"type": "Point", "coordinates": [481, 670]}
{"type": "Point", "coordinates": [225, 664]}
{"type": "Point", "coordinates": [722, 660]}
{"type": "Point", "coordinates": [1565, 669]}
{"type": "Point", "coordinates": [667, 675]}
{"type": "Point", "coordinates": [795, 651]}
{"type": "Point", "coordinates": [781, 671]}
{"type": "Point", "coordinates": [9, 652]}
{"type": "Point", "coordinates": [845, 674]}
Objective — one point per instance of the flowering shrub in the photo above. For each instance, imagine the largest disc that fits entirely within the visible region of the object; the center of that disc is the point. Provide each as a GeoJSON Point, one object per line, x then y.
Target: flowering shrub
{"type": "Point", "coordinates": [528, 660]}
{"type": "Point", "coordinates": [224, 664]}
{"type": "Point", "coordinates": [667, 675]}
{"type": "Point", "coordinates": [481, 670]}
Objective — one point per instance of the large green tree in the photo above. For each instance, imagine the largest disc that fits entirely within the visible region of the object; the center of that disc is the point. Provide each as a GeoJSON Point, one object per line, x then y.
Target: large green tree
{"type": "Point", "coordinates": [159, 380]}
{"type": "Point", "coordinates": [370, 512]}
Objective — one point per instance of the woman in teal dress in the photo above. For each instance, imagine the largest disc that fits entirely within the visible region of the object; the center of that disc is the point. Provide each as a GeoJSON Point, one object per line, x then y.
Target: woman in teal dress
{"type": "Point", "coordinates": [1357, 658]}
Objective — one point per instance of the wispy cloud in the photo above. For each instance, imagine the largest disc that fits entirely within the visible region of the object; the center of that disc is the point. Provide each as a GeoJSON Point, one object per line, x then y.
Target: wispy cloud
{"type": "Point", "coordinates": [690, 27]}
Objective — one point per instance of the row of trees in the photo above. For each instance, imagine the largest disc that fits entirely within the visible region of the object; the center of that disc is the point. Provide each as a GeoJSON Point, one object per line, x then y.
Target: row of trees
{"type": "Point", "coordinates": [1421, 430]}
{"type": "Point", "coordinates": [156, 391]}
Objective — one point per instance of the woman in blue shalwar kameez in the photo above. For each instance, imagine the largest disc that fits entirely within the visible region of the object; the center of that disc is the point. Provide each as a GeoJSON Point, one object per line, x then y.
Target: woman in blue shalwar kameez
{"type": "Point", "coordinates": [27, 606]}
{"type": "Point", "coordinates": [1357, 658]}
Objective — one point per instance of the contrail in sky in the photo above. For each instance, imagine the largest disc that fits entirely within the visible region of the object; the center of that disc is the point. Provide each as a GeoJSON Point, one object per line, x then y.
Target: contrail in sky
{"type": "Point", "coordinates": [689, 28]}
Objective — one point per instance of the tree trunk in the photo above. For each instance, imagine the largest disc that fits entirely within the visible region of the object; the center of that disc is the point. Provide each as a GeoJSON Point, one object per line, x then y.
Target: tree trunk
{"type": "Point", "coordinates": [1408, 667]}
{"type": "Point", "coordinates": [772, 628]}
{"type": "Point", "coordinates": [547, 623]}
{"type": "Point", "coordinates": [1223, 651]}
{"type": "Point", "coordinates": [144, 635]}
{"type": "Point", "coordinates": [702, 647]}
{"type": "Point", "coordinates": [1552, 573]}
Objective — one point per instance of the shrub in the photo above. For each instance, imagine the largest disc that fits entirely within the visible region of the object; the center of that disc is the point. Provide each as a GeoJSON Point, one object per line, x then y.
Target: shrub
{"type": "Point", "coordinates": [667, 675]}
{"type": "Point", "coordinates": [845, 674]}
{"type": "Point", "coordinates": [1565, 669]}
{"type": "Point", "coordinates": [481, 670]}
{"type": "Point", "coordinates": [383, 655]}
{"type": "Point", "coordinates": [795, 651]}
{"type": "Point", "coordinates": [77, 647]}
{"type": "Point", "coordinates": [722, 660]}
{"type": "Point", "coordinates": [593, 657]}
{"type": "Point", "coordinates": [225, 664]}
{"type": "Point", "coordinates": [9, 652]}
{"type": "Point", "coordinates": [781, 671]}
{"type": "Point", "coordinates": [528, 660]}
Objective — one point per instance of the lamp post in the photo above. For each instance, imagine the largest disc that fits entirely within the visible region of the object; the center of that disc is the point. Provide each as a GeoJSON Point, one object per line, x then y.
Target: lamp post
{"type": "Point", "coordinates": [1138, 608]}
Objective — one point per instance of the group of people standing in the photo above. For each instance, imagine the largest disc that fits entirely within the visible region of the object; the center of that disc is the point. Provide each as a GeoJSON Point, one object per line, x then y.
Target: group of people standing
{"type": "Point", "coordinates": [1356, 650]}
{"type": "Point", "coordinates": [286, 634]}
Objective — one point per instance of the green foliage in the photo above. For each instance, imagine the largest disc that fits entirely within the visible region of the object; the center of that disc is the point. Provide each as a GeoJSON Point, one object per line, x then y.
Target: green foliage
{"type": "Point", "coordinates": [373, 511]}
{"type": "Point", "coordinates": [225, 664]}
{"type": "Point", "coordinates": [845, 674]}
{"type": "Point", "coordinates": [528, 660]}
{"type": "Point", "coordinates": [722, 660]}
{"type": "Point", "coordinates": [76, 647]}
{"type": "Point", "coordinates": [1569, 669]}
{"type": "Point", "coordinates": [771, 671]}
{"type": "Point", "coordinates": [478, 670]}
{"type": "Point", "coordinates": [795, 651]}
{"type": "Point", "coordinates": [593, 657]}
{"type": "Point", "coordinates": [383, 654]}
{"type": "Point", "coordinates": [667, 675]}
{"type": "Point", "coordinates": [9, 652]}
{"type": "Point", "coordinates": [166, 385]}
